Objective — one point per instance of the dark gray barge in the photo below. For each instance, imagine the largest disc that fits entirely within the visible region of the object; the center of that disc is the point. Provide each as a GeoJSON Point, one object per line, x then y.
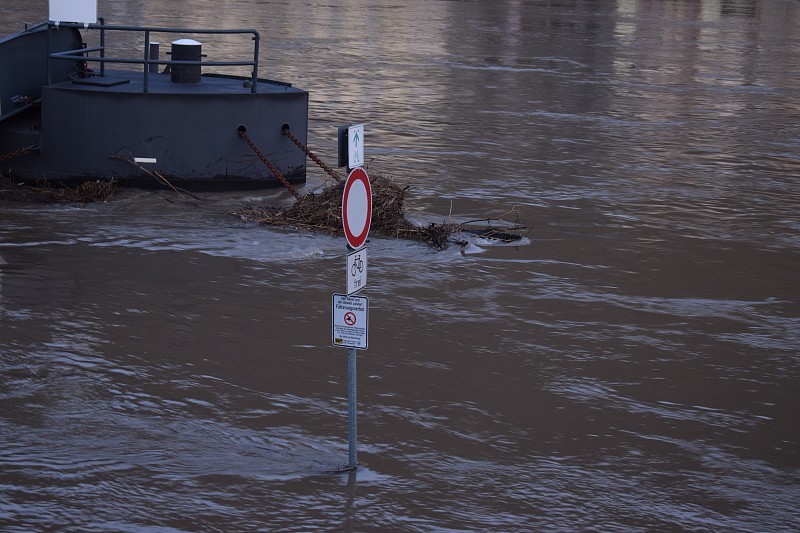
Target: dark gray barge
{"type": "Point", "coordinates": [65, 117]}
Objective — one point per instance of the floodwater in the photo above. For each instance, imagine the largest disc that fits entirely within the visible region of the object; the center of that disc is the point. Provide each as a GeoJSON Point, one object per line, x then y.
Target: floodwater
{"type": "Point", "coordinates": [634, 365]}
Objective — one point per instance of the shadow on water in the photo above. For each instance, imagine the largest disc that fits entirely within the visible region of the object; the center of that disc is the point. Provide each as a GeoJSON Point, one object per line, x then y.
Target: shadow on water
{"type": "Point", "coordinates": [349, 507]}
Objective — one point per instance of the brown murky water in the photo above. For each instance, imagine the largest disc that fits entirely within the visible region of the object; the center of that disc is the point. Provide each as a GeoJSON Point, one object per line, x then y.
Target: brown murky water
{"type": "Point", "coordinates": [634, 366]}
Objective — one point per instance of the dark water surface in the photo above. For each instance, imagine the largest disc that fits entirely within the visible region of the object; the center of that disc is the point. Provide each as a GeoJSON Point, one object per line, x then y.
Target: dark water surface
{"type": "Point", "coordinates": [633, 366]}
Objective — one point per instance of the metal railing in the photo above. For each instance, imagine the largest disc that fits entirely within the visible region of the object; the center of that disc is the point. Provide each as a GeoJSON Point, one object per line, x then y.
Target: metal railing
{"type": "Point", "coordinates": [146, 61]}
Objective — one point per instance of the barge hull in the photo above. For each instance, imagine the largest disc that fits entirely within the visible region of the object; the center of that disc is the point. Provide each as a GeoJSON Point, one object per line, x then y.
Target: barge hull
{"type": "Point", "coordinates": [62, 121]}
{"type": "Point", "coordinates": [90, 132]}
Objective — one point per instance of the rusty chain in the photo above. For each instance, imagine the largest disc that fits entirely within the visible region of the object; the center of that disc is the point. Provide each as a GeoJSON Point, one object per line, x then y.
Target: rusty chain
{"type": "Point", "coordinates": [332, 173]}
{"type": "Point", "coordinates": [18, 152]}
{"type": "Point", "coordinates": [242, 132]}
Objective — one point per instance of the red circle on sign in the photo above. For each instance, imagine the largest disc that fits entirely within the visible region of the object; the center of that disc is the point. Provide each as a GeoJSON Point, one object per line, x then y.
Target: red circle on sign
{"type": "Point", "coordinates": [357, 208]}
{"type": "Point", "coordinates": [350, 319]}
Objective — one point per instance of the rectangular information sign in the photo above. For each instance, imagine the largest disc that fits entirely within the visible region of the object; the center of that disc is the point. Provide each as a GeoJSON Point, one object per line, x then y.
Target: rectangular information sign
{"type": "Point", "coordinates": [83, 11]}
{"type": "Point", "coordinates": [350, 317]}
{"type": "Point", "coordinates": [355, 145]}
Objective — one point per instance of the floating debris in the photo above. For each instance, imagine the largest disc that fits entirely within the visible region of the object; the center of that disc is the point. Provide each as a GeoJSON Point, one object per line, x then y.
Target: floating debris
{"type": "Point", "coordinates": [322, 211]}
{"type": "Point", "coordinates": [499, 230]}
{"type": "Point", "coordinates": [84, 193]}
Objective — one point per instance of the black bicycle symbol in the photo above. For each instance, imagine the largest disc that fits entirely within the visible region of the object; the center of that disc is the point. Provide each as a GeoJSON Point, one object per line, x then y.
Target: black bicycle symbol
{"type": "Point", "coordinates": [358, 264]}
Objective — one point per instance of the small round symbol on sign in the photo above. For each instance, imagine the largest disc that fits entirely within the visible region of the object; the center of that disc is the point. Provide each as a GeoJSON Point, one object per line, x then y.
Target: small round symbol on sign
{"type": "Point", "coordinates": [350, 319]}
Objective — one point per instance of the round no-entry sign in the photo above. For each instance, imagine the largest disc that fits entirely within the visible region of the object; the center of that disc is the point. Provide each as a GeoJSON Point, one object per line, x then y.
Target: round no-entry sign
{"type": "Point", "coordinates": [357, 208]}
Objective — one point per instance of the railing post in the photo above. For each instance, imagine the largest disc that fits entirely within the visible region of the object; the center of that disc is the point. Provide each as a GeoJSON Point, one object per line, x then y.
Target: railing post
{"type": "Point", "coordinates": [102, 45]}
{"type": "Point", "coordinates": [49, 37]}
{"type": "Point", "coordinates": [254, 81]}
{"type": "Point", "coordinates": [154, 56]}
{"type": "Point", "coordinates": [146, 60]}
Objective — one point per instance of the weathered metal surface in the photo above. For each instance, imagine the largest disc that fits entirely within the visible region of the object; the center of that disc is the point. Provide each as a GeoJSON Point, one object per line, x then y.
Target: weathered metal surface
{"type": "Point", "coordinates": [23, 65]}
{"type": "Point", "coordinates": [89, 126]}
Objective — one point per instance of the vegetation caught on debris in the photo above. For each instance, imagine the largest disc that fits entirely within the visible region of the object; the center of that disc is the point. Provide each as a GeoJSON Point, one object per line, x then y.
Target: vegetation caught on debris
{"type": "Point", "coordinates": [319, 211]}
{"type": "Point", "coordinates": [322, 211]}
{"type": "Point", "coordinates": [86, 192]}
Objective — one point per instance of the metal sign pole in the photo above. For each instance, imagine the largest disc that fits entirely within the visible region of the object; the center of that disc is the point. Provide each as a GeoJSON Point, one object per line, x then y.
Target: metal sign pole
{"type": "Point", "coordinates": [352, 401]}
{"type": "Point", "coordinates": [352, 406]}
{"type": "Point", "coordinates": [351, 313]}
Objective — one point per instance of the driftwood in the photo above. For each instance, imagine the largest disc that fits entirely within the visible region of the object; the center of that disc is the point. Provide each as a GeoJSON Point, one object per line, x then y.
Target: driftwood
{"type": "Point", "coordinates": [322, 211]}
{"type": "Point", "coordinates": [319, 211]}
{"type": "Point", "coordinates": [86, 192]}
{"type": "Point", "coordinates": [181, 193]}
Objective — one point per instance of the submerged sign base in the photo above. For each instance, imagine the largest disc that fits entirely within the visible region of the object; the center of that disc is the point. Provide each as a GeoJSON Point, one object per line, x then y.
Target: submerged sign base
{"type": "Point", "coordinates": [350, 316]}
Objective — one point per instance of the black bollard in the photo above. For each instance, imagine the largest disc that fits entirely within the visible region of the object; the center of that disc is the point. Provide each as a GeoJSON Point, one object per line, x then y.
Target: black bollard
{"type": "Point", "coordinates": [186, 50]}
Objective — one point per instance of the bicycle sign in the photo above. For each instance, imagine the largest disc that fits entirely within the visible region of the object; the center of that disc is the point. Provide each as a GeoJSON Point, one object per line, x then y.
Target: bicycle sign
{"type": "Point", "coordinates": [358, 264]}
{"type": "Point", "coordinates": [356, 271]}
